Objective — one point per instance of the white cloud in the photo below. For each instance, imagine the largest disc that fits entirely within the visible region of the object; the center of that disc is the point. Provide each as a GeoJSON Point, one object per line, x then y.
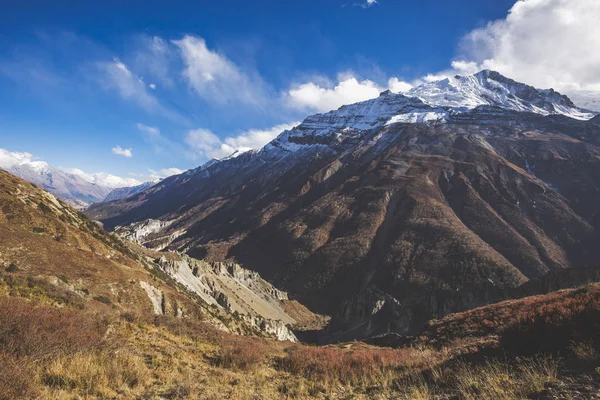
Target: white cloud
{"type": "Point", "coordinates": [129, 86]}
{"type": "Point", "coordinates": [160, 143]}
{"type": "Point", "coordinates": [151, 131]}
{"type": "Point", "coordinates": [216, 78]}
{"type": "Point", "coordinates": [164, 173]}
{"type": "Point", "coordinates": [545, 43]}
{"type": "Point", "coordinates": [10, 159]}
{"type": "Point", "coordinates": [155, 57]}
{"type": "Point", "coordinates": [312, 96]}
{"type": "Point", "coordinates": [103, 179]}
{"type": "Point", "coordinates": [117, 150]}
{"type": "Point", "coordinates": [365, 4]}
{"type": "Point", "coordinates": [117, 76]}
{"type": "Point", "coordinates": [257, 138]}
{"type": "Point", "coordinates": [322, 95]}
{"type": "Point", "coordinates": [398, 86]}
{"type": "Point", "coordinates": [207, 144]}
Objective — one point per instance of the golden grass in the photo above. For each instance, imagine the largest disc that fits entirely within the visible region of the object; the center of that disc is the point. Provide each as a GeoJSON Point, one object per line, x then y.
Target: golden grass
{"type": "Point", "coordinates": [179, 359]}
{"type": "Point", "coordinates": [585, 351]}
{"type": "Point", "coordinates": [97, 373]}
{"type": "Point", "coordinates": [501, 380]}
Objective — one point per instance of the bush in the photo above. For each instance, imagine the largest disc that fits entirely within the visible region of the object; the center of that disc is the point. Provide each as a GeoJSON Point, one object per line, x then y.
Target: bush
{"type": "Point", "coordinates": [243, 355]}
{"type": "Point", "coordinates": [585, 351]}
{"type": "Point", "coordinates": [40, 332]}
{"type": "Point", "coordinates": [102, 299]}
{"type": "Point", "coordinates": [129, 317]}
{"type": "Point", "coordinates": [195, 330]}
{"type": "Point", "coordinates": [552, 326]}
{"type": "Point", "coordinates": [12, 268]}
{"type": "Point", "coordinates": [354, 367]}
{"type": "Point", "coordinates": [15, 378]}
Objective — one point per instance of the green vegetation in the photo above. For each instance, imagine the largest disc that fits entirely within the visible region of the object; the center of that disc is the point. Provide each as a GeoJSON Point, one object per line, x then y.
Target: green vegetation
{"type": "Point", "coordinates": [102, 299]}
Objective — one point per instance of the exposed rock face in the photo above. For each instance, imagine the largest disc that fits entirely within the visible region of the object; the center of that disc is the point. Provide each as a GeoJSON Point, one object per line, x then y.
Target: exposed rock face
{"type": "Point", "coordinates": [234, 289]}
{"type": "Point", "coordinates": [156, 296]}
{"type": "Point", "coordinates": [413, 201]}
{"type": "Point", "coordinates": [140, 231]}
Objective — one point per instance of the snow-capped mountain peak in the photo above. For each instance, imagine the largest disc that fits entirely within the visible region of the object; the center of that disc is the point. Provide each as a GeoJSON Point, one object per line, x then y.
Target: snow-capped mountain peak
{"type": "Point", "coordinates": [490, 88]}
{"type": "Point", "coordinates": [40, 167]}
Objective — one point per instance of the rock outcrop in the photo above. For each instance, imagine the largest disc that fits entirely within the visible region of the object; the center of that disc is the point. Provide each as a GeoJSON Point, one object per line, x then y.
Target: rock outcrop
{"type": "Point", "coordinates": [234, 289]}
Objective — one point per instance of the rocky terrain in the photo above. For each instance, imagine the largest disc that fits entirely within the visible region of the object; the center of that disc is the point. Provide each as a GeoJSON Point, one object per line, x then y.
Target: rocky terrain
{"type": "Point", "coordinates": [388, 212]}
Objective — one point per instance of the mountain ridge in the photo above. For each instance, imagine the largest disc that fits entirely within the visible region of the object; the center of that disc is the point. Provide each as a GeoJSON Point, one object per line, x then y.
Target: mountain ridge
{"type": "Point", "coordinates": [395, 196]}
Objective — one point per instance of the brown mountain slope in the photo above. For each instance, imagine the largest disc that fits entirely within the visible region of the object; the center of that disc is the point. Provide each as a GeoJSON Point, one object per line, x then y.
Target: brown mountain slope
{"type": "Point", "coordinates": [406, 209]}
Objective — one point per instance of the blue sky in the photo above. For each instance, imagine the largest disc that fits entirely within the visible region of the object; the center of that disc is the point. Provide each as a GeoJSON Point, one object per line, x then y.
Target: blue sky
{"type": "Point", "coordinates": [141, 89]}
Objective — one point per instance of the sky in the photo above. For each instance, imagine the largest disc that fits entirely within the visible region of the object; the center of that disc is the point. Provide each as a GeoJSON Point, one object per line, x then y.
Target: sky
{"type": "Point", "coordinates": [143, 89]}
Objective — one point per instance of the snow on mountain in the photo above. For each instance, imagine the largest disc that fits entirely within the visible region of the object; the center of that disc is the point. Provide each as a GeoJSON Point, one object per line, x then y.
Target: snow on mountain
{"type": "Point", "coordinates": [72, 188]}
{"type": "Point", "coordinates": [121, 193]}
{"type": "Point", "coordinates": [489, 88]}
{"type": "Point", "coordinates": [432, 102]}
{"type": "Point", "coordinates": [76, 188]}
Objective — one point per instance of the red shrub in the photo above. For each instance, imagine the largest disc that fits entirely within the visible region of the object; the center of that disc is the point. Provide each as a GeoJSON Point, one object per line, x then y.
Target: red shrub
{"type": "Point", "coordinates": [552, 325]}
{"type": "Point", "coordinates": [38, 332]}
{"type": "Point", "coordinates": [350, 366]}
{"type": "Point", "coordinates": [15, 379]}
{"type": "Point", "coordinates": [244, 355]}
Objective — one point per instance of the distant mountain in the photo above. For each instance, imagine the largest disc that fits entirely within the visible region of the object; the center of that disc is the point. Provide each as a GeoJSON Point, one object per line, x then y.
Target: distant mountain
{"type": "Point", "coordinates": [402, 202]}
{"type": "Point", "coordinates": [72, 188]}
{"type": "Point", "coordinates": [77, 188]}
{"type": "Point", "coordinates": [121, 193]}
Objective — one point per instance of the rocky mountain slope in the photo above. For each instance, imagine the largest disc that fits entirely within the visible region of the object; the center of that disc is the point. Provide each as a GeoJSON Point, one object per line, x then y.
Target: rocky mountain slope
{"type": "Point", "coordinates": [400, 201]}
{"type": "Point", "coordinates": [42, 237]}
{"type": "Point", "coordinates": [121, 193]}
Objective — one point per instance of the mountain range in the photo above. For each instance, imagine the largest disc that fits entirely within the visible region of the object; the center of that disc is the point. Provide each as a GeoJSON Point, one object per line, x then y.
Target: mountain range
{"type": "Point", "coordinates": [389, 211]}
{"type": "Point", "coordinates": [74, 188]}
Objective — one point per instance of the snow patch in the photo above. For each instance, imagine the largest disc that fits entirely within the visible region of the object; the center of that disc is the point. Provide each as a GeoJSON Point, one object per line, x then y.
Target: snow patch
{"type": "Point", "coordinates": [418, 117]}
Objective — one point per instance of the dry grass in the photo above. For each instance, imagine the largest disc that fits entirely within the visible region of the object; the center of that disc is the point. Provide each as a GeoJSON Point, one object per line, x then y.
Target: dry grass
{"type": "Point", "coordinates": [15, 378]}
{"type": "Point", "coordinates": [357, 368]}
{"type": "Point", "coordinates": [585, 351]}
{"type": "Point", "coordinates": [180, 359]}
{"type": "Point", "coordinates": [97, 373]}
{"type": "Point", "coordinates": [500, 380]}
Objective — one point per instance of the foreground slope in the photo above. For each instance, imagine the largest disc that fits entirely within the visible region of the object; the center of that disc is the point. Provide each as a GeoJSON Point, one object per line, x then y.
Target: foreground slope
{"type": "Point", "coordinates": [397, 201]}
{"type": "Point", "coordinates": [44, 238]}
